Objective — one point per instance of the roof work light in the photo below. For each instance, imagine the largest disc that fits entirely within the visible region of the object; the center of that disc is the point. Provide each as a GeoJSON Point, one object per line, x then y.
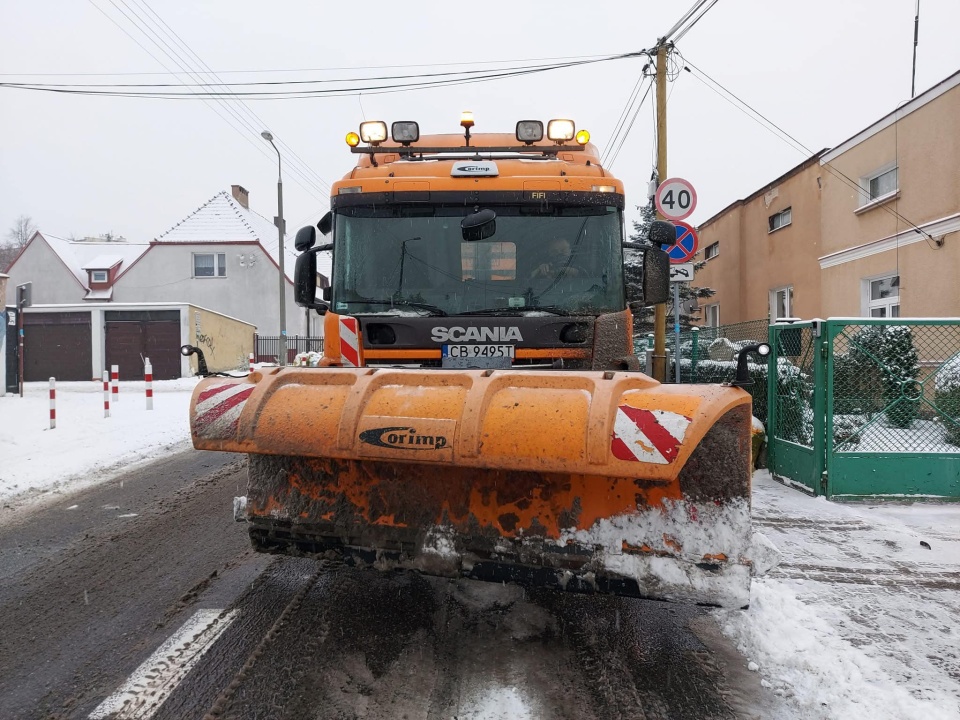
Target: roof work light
{"type": "Point", "coordinates": [561, 130]}
{"type": "Point", "coordinates": [529, 131]}
{"type": "Point", "coordinates": [583, 137]}
{"type": "Point", "coordinates": [353, 139]}
{"type": "Point", "coordinates": [405, 132]}
{"type": "Point", "coordinates": [373, 131]}
{"type": "Point", "coordinates": [466, 119]}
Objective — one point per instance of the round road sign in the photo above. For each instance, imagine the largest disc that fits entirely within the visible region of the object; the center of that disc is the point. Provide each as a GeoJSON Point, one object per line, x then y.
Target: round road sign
{"type": "Point", "coordinates": [686, 246]}
{"type": "Point", "coordinates": [676, 199]}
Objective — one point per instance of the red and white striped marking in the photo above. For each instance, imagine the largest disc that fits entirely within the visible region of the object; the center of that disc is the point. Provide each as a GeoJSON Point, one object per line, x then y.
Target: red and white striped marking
{"type": "Point", "coordinates": [148, 380]}
{"type": "Point", "coordinates": [115, 382]}
{"type": "Point", "coordinates": [251, 362]}
{"type": "Point", "coordinates": [349, 342]}
{"type": "Point", "coordinates": [106, 393]}
{"type": "Point", "coordinates": [217, 414]}
{"type": "Point", "coordinates": [53, 403]}
{"type": "Point", "coordinates": [652, 436]}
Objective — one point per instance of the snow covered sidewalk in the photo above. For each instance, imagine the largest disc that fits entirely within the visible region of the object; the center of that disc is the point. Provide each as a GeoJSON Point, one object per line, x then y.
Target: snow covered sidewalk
{"type": "Point", "coordinates": [861, 619]}
{"type": "Point", "coordinates": [85, 447]}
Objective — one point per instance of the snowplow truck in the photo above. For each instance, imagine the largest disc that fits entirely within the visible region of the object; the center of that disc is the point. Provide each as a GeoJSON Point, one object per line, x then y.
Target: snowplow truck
{"type": "Point", "coordinates": [479, 409]}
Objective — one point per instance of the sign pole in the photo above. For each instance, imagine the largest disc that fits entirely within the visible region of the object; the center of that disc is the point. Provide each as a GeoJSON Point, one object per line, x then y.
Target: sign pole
{"type": "Point", "coordinates": [676, 331]}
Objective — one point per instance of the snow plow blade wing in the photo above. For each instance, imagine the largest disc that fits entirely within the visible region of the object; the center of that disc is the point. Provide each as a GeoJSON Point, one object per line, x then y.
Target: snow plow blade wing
{"type": "Point", "coordinates": [587, 481]}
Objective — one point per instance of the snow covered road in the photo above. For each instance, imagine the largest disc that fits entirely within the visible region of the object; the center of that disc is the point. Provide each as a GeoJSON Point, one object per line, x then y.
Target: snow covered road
{"type": "Point", "coordinates": [860, 621]}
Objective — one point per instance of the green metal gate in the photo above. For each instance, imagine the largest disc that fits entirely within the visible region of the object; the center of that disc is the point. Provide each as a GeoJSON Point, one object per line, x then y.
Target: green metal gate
{"type": "Point", "coordinates": [866, 407]}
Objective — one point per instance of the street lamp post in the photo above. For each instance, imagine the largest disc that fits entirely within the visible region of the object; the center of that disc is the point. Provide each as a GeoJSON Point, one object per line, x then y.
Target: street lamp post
{"type": "Point", "coordinates": [278, 221]}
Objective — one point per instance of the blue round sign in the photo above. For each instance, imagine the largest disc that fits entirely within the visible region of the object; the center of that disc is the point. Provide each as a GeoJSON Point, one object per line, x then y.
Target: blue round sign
{"type": "Point", "coordinates": [686, 245]}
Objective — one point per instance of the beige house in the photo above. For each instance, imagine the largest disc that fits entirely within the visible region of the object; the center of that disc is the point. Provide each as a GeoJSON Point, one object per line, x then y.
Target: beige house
{"type": "Point", "coordinates": [870, 228]}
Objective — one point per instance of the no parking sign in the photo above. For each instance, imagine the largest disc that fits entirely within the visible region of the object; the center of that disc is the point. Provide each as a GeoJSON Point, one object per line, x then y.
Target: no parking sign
{"type": "Point", "coordinates": [686, 245]}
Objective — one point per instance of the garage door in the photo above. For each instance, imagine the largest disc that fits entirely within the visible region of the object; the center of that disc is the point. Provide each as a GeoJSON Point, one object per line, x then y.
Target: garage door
{"type": "Point", "coordinates": [133, 336]}
{"type": "Point", "coordinates": [57, 345]}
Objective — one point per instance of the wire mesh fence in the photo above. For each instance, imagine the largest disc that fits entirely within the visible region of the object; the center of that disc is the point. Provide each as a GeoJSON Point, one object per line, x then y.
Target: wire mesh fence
{"type": "Point", "coordinates": [268, 347]}
{"type": "Point", "coordinates": [709, 355]}
{"type": "Point", "coordinates": [895, 388]}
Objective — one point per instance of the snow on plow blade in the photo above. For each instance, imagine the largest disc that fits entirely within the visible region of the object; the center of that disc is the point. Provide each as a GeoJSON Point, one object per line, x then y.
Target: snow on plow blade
{"type": "Point", "coordinates": [587, 481]}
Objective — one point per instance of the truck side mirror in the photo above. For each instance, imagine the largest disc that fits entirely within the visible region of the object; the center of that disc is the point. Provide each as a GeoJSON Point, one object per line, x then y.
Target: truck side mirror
{"type": "Point", "coordinates": [305, 282]}
{"type": "Point", "coordinates": [656, 276]}
{"type": "Point", "coordinates": [306, 238]}
{"type": "Point", "coordinates": [662, 232]}
{"type": "Point", "coordinates": [326, 223]}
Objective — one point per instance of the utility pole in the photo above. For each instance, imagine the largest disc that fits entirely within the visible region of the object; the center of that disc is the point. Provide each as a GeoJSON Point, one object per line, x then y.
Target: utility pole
{"type": "Point", "coordinates": [281, 231]}
{"type": "Point", "coordinates": [660, 311]}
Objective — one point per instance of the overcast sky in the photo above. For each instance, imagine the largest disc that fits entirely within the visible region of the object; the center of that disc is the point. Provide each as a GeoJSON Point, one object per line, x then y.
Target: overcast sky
{"type": "Point", "coordinates": [79, 165]}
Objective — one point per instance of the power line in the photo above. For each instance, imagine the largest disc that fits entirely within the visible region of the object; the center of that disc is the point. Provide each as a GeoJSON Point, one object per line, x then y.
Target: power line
{"type": "Point", "coordinates": [799, 146]}
{"type": "Point", "coordinates": [616, 153]}
{"type": "Point", "coordinates": [191, 94]}
{"type": "Point", "coordinates": [235, 121]}
{"type": "Point", "coordinates": [290, 152]}
{"type": "Point", "coordinates": [328, 69]}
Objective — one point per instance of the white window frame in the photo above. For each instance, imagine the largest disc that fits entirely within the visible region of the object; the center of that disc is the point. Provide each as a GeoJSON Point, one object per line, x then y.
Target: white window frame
{"type": "Point", "coordinates": [867, 305]}
{"type": "Point", "coordinates": [711, 315]}
{"type": "Point", "coordinates": [785, 213]}
{"type": "Point", "coordinates": [715, 247]}
{"type": "Point", "coordinates": [219, 265]}
{"type": "Point", "coordinates": [866, 199]}
{"type": "Point", "coordinates": [788, 302]}
{"type": "Point", "coordinates": [99, 276]}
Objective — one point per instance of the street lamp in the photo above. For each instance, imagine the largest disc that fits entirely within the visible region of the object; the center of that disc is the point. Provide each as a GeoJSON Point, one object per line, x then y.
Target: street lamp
{"type": "Point", "coordinates": [278, 221]}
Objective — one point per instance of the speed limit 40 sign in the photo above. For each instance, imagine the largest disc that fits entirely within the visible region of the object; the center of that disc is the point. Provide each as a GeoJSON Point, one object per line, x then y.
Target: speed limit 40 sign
{"type": "Point", "coordinates": [676, 199]}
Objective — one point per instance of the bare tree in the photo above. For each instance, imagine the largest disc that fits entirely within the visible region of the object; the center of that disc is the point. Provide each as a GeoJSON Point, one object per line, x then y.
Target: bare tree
{"type": "Point", "coordinates": [18, 236]}
{"type": "Point", "coordinates": [21, 231]}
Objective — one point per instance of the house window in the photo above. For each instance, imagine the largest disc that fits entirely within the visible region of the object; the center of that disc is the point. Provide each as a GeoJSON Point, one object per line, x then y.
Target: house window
{"type": "Point", "coordinates": [780, 219]}
{"type": "Point", "coordinates": [98, 276]}
{"type": "Point", "coordinates": [209, 265]}
{"type": "Point", "coordinates": [781, 303]}
{"type": "Point", "coordinates": [711, 315]}
{"type": "Point", "coordinates": [879, 185]}
{"type": "Point", "coordinates": [883, 297]}
{"type": "Point", "coordinates": [712, 251]}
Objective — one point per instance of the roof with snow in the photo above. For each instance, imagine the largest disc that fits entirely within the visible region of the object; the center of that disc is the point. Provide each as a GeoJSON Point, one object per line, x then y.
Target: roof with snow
{"type": "Point", "coordinates": [78, 256]}
{"type": "Point", "coordinates": [101, 294]}
{"type": "Point", "coordinates": [103, 262]}
{"type": "Point", "coordinates": [222, 219]}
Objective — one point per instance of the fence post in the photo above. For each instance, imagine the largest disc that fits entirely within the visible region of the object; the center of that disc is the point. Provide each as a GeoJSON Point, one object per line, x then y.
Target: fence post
{"type": "Point", "coordinates": [822, 407]}
{"type": "Point", "coordinates": [694, 353]}
{"type": "Point", "coordinates": [148, 379]}
{"type": "Point", "coordinates": [106, 394]}
{"type": "Point", "coordinates": [115, 382]}
{"type": "Point", "coordinates": [53, 403]}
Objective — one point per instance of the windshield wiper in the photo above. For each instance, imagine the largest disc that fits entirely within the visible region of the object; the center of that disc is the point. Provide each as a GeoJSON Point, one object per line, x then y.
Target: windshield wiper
{"type": "Point", "coordinates": [552, 309]}
{"type": "Point", "coordinates": [430, 309]}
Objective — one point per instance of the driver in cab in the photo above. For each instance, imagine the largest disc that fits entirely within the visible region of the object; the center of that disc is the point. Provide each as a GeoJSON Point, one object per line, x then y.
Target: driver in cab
{"type": "Point", "coordinates": [558, 262]}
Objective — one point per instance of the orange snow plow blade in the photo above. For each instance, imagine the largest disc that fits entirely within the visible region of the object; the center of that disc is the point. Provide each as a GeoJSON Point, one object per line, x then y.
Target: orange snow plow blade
{"type": "Point", "coordinates": [587, 481]}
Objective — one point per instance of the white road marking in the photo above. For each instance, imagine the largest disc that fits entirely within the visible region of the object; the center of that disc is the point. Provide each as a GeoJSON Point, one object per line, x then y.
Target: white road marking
{"type": "Point", "coordinates": [153, 682]}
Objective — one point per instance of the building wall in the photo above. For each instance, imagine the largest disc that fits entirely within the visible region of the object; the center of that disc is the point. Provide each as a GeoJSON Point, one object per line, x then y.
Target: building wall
{"type": "Point", "coordinates": [52, 282]}
{"type": "Point", "coordinates": [861, 243]}
{"type": "Point", "coordinates": [225, 341]}
{"type": "Point", "coordinates": [249, 292]}
{"type": "Point", "coordinates": [3, 338]}
{"type": "Point", "coordinates": [753, 261]}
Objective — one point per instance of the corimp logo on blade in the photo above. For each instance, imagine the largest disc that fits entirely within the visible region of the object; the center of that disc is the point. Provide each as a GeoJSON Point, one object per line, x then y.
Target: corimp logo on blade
{"type": "Point", "coordinates": [402, 438]}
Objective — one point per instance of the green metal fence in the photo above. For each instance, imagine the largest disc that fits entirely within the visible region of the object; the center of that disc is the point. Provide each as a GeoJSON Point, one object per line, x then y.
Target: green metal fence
{"type": "Point", "coordinates": [708, 355]}
{"type": "Point", "coordinates": [867, 407]}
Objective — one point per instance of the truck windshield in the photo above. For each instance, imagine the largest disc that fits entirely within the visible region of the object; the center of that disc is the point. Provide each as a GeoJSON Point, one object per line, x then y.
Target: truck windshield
{"type": "Point", "coordinates": [412, 260]}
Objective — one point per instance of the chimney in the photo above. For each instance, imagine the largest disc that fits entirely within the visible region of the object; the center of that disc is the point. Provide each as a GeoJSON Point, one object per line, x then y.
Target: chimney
{"type": "Point", "coordinates": [241, 195]}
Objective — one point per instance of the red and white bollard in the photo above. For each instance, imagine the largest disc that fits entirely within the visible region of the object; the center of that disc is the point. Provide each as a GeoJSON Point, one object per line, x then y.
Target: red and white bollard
{"type": "Point", "coordinates": [251, 362]}
{"type": "Point", "coordinates": [148, 378]}
{"type": "Point", "coordinates": [53, 403]}
{"type": "Point", "coordinates": [106, 394]}
{"type": "Point", "coordinates": [115, 381]}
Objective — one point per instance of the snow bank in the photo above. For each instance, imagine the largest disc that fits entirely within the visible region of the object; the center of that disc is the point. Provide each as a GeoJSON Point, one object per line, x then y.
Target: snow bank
{"type": "Point", "coordinates": [85, 447]}
{"type": "Point", "coordinates": [861, 620]}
